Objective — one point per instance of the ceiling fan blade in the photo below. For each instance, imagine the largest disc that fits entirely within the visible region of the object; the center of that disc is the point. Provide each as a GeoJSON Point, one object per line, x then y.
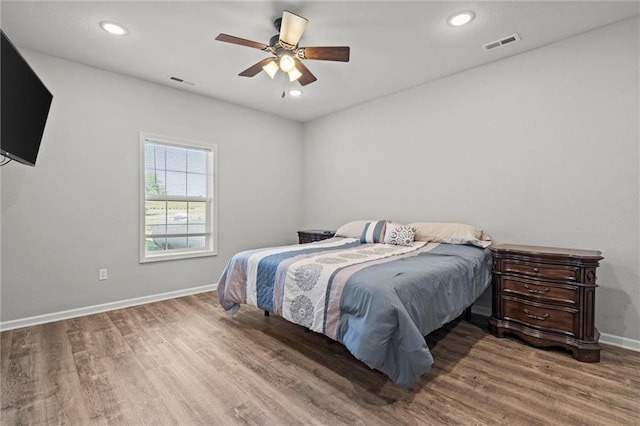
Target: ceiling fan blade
{"type": "Point", "coordinates": [256, 68]}
{"type": "Point", "coordinates": [291, 29]}
{"type": "Point", "coordinates": [241, 41]}
{"type": "Point", "coordinates": [306, 77]}
{"type": "Point", "coordinates": [335, 53]}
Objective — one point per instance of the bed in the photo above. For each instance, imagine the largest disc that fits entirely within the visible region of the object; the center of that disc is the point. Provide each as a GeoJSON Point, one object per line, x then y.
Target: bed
{"type": "Point", "coordinates": [376, 298]}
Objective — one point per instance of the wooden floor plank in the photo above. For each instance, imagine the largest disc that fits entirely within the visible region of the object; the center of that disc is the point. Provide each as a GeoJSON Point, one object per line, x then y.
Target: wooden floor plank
{"type": "Point", "coordinates": [5, 346]}
{"type": "Point", "coordinates": [573, 379]}
{"type": "Point", "coordinates": [185, 361]}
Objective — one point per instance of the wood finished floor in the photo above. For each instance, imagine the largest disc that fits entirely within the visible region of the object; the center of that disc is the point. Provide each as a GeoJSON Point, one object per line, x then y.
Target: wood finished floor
{"type": "Point", "coordinates": [185, 361]}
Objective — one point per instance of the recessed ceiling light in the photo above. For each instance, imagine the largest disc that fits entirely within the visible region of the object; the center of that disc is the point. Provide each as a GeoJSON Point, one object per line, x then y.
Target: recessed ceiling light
{"type": "Point", "coordinates": [295, 92]}
{"type": "Point", "coordinates": [113, 28]}
{"type": "Point", "coordinates": [461, 18]}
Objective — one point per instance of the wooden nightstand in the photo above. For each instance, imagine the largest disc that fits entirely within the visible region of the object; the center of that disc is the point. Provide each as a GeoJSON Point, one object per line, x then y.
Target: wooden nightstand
{"type": "Point", "coordinates": [311, 235]}
{"type": "Point", "coordinates": [546, 296]}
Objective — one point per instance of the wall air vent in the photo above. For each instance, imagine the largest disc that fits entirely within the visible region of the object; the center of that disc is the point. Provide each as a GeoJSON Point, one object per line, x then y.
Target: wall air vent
{"type": "Point", "coordinates": [503, 41]}
{"type": "Point", "coordinates": [181, 80]}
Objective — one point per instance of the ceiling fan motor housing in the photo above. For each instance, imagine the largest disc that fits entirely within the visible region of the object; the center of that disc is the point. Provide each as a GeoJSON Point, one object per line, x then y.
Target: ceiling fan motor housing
{"type": "Point", "coordinates": [274, 41]}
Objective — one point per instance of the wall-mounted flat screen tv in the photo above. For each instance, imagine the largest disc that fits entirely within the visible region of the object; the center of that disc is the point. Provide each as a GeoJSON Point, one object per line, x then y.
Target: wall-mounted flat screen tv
{"type": "Point", "coordinates": [24, 107]}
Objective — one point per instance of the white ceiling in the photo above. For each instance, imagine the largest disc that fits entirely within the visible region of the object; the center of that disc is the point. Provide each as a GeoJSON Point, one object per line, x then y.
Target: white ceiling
{"type": "Point", "coordinates": [394, 45]}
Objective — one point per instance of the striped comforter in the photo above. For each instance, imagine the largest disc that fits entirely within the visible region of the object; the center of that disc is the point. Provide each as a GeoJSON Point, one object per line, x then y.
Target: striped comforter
{"type": "Point", "coordinates": [379, 300]}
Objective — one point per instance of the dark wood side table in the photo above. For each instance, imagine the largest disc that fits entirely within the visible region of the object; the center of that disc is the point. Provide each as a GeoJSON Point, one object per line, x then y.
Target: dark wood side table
{"type": "Point", "coordinates": [311, 235]}
{"type": "Point", "coordinates": [546, 296]}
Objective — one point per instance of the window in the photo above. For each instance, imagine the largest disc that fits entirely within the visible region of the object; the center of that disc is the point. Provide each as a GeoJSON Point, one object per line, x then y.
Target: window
{"type": "Point", "coordinates": [178, 199]}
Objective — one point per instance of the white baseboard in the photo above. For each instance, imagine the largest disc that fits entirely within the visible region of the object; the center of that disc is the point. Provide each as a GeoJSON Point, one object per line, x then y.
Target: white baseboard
{"type": "Point", "coordinates": [481, 310]}
{"type": "Point", "coordinates": [620, 342]}
{"type": "Point", "coordinates": [89, 310]}
{"type": "Point", "coordinates": [605, 338]}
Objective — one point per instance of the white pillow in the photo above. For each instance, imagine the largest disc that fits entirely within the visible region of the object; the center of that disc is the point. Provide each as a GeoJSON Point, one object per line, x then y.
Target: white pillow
{"type": "Point", "coordinates": [352, 229]}
{"type": "Point", "coordinates": [451, 233]}
{"type": "Point", "coordinates": [400, 235]}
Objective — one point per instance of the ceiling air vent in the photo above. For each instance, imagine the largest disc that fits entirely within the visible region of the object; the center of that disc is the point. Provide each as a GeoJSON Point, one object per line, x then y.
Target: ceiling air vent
{"type": "Point", "coordinates": [503, 41]}
{"type": "Point", "coordinates": [181, 80]}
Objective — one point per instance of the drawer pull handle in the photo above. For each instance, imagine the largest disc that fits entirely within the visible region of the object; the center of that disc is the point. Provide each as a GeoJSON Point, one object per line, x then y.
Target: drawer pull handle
{"type": "Point", "coordinates": [534, 291]}
{"type": "Point", "coordinates": [536, 270]}
{"type": "Point", "coordinates": [542, 318]}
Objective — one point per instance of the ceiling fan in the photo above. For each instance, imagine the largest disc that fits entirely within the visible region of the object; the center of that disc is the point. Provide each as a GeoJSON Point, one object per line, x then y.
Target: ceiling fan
{"type": "Point", "coordinates": [287, 54]}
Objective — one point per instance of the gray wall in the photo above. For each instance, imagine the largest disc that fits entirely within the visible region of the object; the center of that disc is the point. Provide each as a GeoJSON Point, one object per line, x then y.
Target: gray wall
{"type": "Point", "coordinates": [540, 148]}
{"type": "Point", "coordinates": [77, 210]}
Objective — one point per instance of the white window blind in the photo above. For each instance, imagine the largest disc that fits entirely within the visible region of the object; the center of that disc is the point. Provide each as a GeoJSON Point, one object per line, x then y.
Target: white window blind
{"type": "Point", "coordinates": [177, 214]}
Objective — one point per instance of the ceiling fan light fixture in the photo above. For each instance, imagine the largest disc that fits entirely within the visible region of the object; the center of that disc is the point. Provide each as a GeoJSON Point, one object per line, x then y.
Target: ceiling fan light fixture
{"type": "Point", "coordinates": [287, 63]}
{"type": "Point", "coordinates": [294, 74]}
{"type": "Point", "coordinates": [461, 18]}
{"type": "Point", "coordinates": [113, 28]}
{"type": "Point", "coordinates": [291, 29]}
{"type": "Point", "coordinates": [271, 68]}
{"type": "Point", "coordinates": [295, 92]}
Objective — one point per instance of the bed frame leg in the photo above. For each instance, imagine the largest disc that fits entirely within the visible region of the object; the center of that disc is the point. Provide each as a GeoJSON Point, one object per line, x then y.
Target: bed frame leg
{"type": "Point", "coordinates": [467, 314]}
{"type": "Point", "coordinates": [266, 313]}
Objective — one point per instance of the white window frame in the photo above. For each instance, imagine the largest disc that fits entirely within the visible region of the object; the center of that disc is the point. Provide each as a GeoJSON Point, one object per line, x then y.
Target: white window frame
{"type": "Point", "coordinates": [211, 225]}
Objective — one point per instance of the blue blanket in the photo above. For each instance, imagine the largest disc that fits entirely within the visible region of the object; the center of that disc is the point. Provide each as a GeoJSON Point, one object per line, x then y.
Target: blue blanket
{"type": "Point", "coordinates": [379, 300]}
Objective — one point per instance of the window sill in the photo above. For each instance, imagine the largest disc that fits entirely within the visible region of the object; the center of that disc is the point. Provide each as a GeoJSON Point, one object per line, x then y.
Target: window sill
{"type": "Point", "coordinates": [177, 256]}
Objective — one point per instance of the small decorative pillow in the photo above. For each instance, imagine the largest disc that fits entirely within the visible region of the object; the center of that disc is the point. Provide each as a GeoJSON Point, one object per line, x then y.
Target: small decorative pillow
{"type": "Point", "coordinates": [373, 232]}
{"type": "Point", "coordinates": [400, 235]}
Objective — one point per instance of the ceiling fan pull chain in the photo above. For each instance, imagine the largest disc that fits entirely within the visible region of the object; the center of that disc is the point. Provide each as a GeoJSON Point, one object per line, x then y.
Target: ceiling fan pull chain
{"type": "Point", "coordinates": [284, 82]}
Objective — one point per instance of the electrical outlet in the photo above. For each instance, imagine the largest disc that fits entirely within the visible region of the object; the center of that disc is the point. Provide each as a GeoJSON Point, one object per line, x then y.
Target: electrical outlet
{"type": "Point", "coordinates": [102, 274]}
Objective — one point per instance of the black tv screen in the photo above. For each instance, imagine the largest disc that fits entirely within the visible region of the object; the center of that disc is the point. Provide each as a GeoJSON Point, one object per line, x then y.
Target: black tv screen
{"type": "Point", "coordinates": [24, 107]}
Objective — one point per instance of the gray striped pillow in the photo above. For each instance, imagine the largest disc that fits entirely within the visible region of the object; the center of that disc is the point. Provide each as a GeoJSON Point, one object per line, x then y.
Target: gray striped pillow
{"type": "Point", "coordinates": [373, 232]}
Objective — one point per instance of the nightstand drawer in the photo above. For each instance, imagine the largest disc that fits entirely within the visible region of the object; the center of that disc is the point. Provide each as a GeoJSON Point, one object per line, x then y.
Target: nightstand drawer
{"type": "Point", "coordinates": [543, 291]}
{"type": "Point", "coordinates": [541, 270]}
{"type": "Point", "coordinates": [548, 317]}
